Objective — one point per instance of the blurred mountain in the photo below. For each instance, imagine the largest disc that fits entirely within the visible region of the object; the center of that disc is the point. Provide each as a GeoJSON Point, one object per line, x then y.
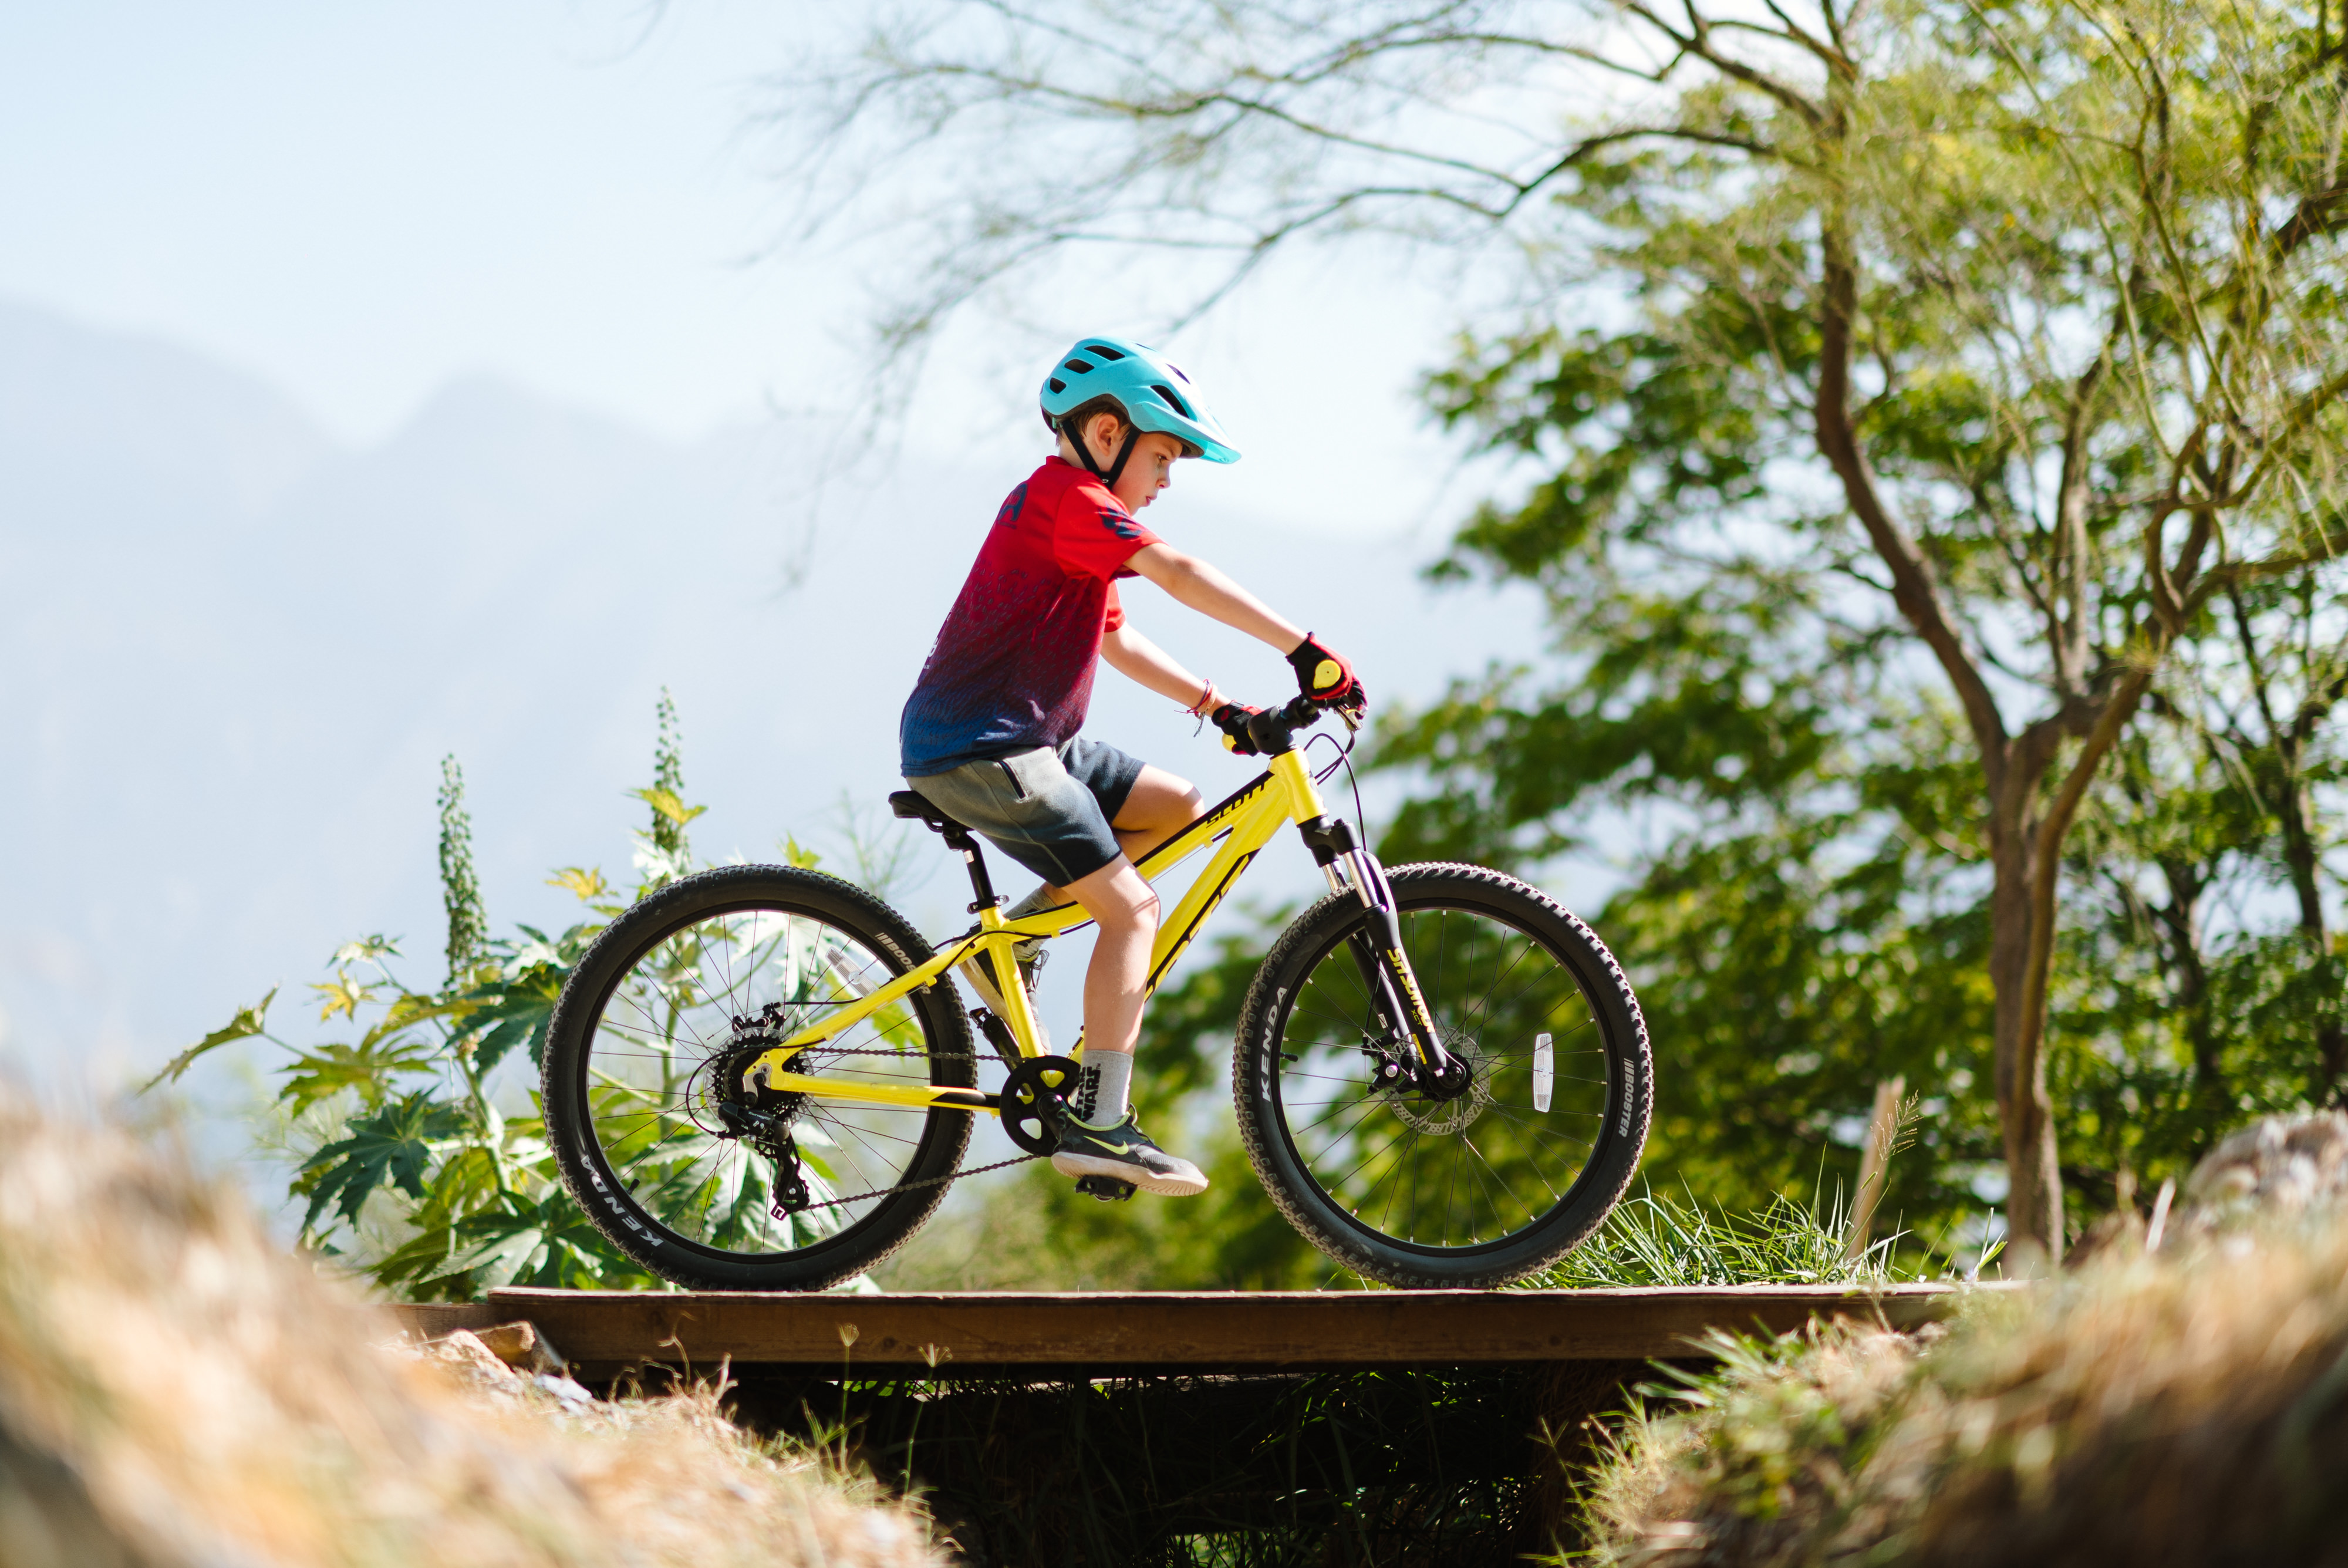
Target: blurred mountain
{"type": "Point", "coordinates": [235, 653]}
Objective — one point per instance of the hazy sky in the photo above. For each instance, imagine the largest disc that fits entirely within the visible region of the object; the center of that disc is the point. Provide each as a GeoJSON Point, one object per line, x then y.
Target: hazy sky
{"type": "Point", "coordinates": [363, 200]}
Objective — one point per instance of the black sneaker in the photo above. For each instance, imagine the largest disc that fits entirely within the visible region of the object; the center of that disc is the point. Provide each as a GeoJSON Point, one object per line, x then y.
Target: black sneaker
{"type": "Point", "coordinates": [1124, 1153]}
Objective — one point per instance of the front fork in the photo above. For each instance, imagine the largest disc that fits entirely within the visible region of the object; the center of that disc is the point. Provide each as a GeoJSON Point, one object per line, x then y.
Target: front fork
{"type": "Point", "coordinates": [1378, 952]}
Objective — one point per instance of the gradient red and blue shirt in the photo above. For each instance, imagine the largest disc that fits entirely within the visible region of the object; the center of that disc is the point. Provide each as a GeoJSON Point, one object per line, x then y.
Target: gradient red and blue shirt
{"type": "Point", "coordinates": [1012, 668]}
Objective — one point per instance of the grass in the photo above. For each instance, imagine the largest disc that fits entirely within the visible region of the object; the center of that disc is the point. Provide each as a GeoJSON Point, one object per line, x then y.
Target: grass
{"type": "Point", "coordinates": [1650, 1240]}
{"type": "Point", "coordinates": [176, 1389]}
{"type": "Point", "coordinates": [2189, 1407]}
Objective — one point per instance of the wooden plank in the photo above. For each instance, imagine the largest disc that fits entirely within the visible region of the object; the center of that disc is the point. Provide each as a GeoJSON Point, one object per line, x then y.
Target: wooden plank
{"type": "Point", "coordinates": [431, 1319]}
{"type": "Point", "coordinates": [1269, 1329]}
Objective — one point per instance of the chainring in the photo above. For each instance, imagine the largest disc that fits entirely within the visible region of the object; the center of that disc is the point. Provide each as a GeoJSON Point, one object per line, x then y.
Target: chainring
{"type": "Point", "coordinates": [1035, 1099]}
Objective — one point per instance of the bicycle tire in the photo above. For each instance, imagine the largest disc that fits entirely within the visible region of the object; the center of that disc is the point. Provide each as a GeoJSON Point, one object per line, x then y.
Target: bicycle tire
{"type": "Point", "coordinates": [646, 1167]}
{"type": "Point", "coordinates": [1338, 1153]}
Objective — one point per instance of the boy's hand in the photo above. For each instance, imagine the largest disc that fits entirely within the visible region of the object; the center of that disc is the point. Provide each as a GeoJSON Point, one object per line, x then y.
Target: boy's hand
{"type": "Point", "coordinates": [1326, 677]}
{"type": "Point", "coordinates": [1231, 718]}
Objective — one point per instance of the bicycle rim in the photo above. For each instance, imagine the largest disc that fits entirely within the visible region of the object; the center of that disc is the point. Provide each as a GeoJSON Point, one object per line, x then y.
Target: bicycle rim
{"type": "Point", "coordinates": [1476, 1174]}
{"type": "Point", "coordinates": [666, 1027]}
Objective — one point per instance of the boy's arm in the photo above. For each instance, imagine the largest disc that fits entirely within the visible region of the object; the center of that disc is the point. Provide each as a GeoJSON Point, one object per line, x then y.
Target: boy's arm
{"type": "Point", "coordinates": [1190, 581]}
{"type": "Point", "coordinates": [1138, 659]}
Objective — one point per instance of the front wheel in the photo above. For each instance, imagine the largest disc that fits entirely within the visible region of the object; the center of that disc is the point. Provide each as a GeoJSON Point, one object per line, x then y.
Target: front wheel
{"type": "Point", "coordinates": [1502, 1177]}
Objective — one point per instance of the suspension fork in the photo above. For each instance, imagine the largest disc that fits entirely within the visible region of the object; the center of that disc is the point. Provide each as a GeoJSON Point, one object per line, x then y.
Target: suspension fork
{"type": "Point", "coordinates": [1378, 952]}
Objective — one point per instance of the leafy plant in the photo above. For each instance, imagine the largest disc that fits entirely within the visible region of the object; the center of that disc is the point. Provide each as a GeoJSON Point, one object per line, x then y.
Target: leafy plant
{"type": "Point", "coordinates": [427, 1166]}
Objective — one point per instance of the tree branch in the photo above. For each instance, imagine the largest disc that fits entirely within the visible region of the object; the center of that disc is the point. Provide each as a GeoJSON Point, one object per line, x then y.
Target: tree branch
{"type": "Point", "coordinates": [1913, 589]}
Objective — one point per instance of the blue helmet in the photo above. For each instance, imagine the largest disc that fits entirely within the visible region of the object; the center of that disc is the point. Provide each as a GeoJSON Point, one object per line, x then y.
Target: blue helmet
{"type": "Point", "coordinates": [1151, 388]}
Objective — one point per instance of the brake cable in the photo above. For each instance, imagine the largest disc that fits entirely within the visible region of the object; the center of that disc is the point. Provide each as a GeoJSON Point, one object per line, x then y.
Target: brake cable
{"type": "Point", "coordinates": [1344, 761]}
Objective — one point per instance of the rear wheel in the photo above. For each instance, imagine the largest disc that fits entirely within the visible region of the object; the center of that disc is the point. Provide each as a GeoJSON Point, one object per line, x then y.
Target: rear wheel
{"type": "Point", "coordinates": [719, 1188]}
{"type": "Point", "coordinates": [1507, 1174]}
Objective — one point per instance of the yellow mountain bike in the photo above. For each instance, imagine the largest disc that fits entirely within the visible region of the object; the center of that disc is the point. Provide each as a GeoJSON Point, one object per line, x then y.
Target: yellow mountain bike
{"type": "Point", "coordinates": [763, 1077]}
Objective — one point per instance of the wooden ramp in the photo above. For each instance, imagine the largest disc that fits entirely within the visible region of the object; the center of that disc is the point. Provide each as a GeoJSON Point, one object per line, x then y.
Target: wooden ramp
{"type": "Point", "coordinates": [1172, 1331]}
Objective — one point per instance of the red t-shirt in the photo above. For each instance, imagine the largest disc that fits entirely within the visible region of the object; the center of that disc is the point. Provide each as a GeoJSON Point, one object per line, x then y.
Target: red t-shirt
{"type": "Point", "coordinates": [1012, 668]}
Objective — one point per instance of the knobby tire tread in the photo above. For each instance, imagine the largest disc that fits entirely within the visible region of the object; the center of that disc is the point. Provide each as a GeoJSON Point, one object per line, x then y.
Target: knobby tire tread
{"type": "Point", "coordinates": [1610, 1169]}
{"type": "Point", "coordinates": [895, 1220]}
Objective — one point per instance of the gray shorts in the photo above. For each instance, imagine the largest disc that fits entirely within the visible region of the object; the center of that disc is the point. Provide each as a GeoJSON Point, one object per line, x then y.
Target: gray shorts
{"type": "Point", "coordinates": [1050, 810]}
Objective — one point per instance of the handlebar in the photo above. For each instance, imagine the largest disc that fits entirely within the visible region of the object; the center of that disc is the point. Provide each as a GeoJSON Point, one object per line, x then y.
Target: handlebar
{"type": "Point", "coordinates": [1275, 729]}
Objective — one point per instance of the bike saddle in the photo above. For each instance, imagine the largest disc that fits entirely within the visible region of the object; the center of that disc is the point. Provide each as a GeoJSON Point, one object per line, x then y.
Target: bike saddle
{"type": "Point", "coordinates": [916, 807]}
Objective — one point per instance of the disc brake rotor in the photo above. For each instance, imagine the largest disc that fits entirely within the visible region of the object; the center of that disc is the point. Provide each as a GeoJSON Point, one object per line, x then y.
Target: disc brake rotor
{"type": "Point", "coordinates": [1423, 1115]}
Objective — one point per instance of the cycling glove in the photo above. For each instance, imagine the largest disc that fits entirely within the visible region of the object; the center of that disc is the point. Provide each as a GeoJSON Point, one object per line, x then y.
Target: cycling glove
{"type": "Point", "coordinates": [1326, 677]}
{"type": "Point", "coordinates": [1231, 718]}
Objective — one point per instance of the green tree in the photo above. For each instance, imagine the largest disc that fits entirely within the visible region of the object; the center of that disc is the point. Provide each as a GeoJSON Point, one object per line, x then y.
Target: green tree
{"type": "Point", "coordinates": [2002, 342]}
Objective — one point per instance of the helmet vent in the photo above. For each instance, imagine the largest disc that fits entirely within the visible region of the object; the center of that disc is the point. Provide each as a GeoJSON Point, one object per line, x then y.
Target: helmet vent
{"type": "Point", "coordinates": [1078, 365]}
{"type": "Point", "coordinates": [1058, 385]}
{"type": "Point", "coordinates": [1172, 401]}
{"type": "Point", "coordinates": [1102, 350]}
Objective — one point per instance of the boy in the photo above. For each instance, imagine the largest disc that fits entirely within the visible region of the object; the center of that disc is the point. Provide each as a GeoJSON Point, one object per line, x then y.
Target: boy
{"type": "Point", "coordinates": [990, 733]}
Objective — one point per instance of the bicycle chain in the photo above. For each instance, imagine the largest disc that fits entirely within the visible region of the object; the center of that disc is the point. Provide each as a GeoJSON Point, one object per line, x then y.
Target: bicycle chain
{"type": "Point", "coordinates": [926, 1180]}
{"type": "Point", "coordinates": [912, 1186]}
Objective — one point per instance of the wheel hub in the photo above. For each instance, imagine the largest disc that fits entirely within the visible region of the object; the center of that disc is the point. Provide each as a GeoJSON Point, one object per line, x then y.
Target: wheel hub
{"type": "Point", "coordinates": [1454, 1103]}
{"type": "Point", "coordinates": [735, 1100]}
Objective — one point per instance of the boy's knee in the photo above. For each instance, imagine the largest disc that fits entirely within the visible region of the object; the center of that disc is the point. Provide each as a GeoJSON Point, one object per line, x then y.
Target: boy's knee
{"type": "Point", "coordinates": [1141, 907]}
{"type": "Point", "coordinates": [1133, 908]}
{"type": "Point", "coordinates": [1117, 899]}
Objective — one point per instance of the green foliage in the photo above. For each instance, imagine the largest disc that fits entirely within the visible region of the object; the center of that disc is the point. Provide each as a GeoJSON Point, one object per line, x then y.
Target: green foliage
{"type": "Point", "coordinates": [394, 1143]}
{"type": "Point", "coordinates": [1654, 1241]}
{"type": "Point", "coordinates": [460, 892]}
{"type": "Point", "coordinates": [1814, 788]}
{"type": "Point", "coordinates": [665, 795]}
{"type": "Point", "coordinates": [428, 1167]}
{"type": "Point", "coordinates": [247, 1023]}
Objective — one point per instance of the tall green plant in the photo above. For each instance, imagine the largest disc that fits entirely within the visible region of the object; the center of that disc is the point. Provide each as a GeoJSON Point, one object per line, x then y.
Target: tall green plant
{"type": "Point", "coordinates": [427, 1165]}
{"type": "Point", "coordinates": [667, 855]}
{"type": "Point", "coordinates": [460, 892]}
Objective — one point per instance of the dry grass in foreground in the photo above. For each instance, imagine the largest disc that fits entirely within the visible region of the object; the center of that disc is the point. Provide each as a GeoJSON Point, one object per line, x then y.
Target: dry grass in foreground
{"type": "Point", "coordinates": [176, 1390]}
{"type": "Point", "coordinates": [2186, 1407]}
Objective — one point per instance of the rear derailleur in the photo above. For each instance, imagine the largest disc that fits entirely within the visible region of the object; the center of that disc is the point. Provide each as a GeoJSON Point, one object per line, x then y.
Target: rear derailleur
{"type": "Point", "coordinates": [759, 1115]}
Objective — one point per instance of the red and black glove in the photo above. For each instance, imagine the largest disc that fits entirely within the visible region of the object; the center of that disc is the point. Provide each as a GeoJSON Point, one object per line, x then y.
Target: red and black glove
{"type": "Point", "coordinates": [1326, 677]}
{"type": "Point", "coordinates": [1231, 718]}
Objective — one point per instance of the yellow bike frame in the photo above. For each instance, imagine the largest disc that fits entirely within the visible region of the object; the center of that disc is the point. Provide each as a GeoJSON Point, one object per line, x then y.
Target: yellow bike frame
{"type": "Point", "coordinates": [1283, 793]}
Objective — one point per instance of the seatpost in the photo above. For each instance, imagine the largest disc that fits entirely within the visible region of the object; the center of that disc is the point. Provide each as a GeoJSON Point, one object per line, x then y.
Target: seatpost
{"type": "Point", "coordinates": [981, 885]}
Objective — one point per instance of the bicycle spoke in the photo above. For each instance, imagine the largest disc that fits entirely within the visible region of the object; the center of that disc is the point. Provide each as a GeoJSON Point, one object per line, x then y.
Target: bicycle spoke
{"type": "Point", "coordinates": [668, 1024]}
{"type": "Point", "coordinates": [1460, 1173]}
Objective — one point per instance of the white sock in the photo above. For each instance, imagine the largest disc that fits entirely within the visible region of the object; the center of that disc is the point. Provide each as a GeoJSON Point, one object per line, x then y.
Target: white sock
{"type": "Point", "coordinates": [1101, 1096]}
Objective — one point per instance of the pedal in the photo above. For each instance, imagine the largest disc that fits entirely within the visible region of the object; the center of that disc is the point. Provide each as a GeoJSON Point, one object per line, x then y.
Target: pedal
{"type": "Point", "coordinates": [1108, 1189]}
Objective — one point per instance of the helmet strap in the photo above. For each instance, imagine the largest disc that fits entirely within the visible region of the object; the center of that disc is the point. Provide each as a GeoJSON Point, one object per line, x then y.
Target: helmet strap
{"type": "Point", "coordinates": [1117, 468]}
{"type": "Point", "coordinates": [1116, 471]}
